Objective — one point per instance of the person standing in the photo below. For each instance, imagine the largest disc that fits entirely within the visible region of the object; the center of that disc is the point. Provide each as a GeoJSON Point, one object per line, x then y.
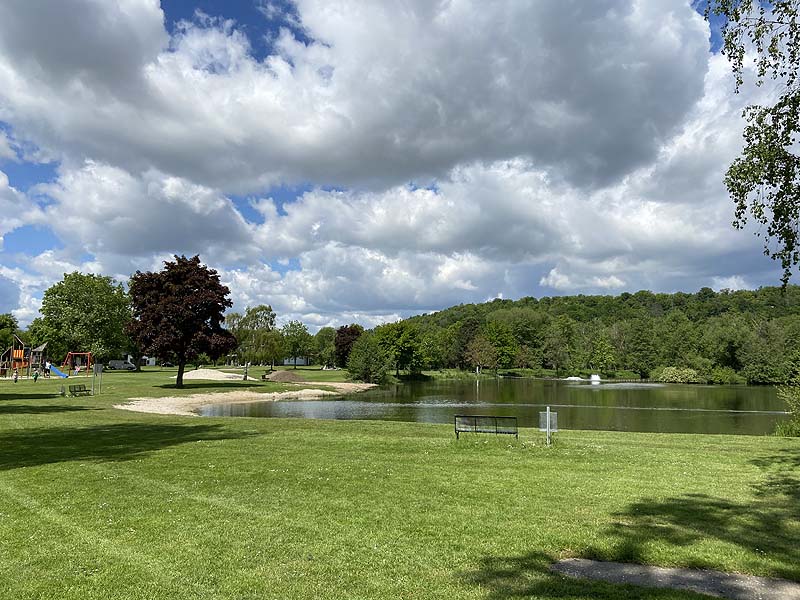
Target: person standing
{"type": "Point", "coordinates": [16, 375]}
{"type": "Point", "coordinates": [35, 374]}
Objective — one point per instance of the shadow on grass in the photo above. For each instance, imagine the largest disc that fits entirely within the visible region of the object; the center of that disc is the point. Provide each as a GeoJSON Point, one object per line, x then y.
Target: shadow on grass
{"type": "Point", "coordinates": [529, 575]}
{"type": "Point", "coordinates": [30, 396]}
{"type": "Point", "coordinates": [115, 442]}
{"type": "Point", "coordinates": [28, 409]}
{"type": "Point", "coordinates": [766, 526]}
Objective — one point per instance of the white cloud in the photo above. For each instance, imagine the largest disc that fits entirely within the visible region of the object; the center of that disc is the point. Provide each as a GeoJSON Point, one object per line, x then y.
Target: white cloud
{"type": "Point", "coordinates": [734, 282]}
{"type": "Point", "coordinates": [387, 93]}
{"type": "Point", "coordinates": [122, 219]}
{"type": "Point", "coordinates": [6, 150]}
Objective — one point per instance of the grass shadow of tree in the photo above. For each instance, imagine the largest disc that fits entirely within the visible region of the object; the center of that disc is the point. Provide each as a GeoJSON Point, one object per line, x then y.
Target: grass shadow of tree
{"type": "Point", "coordinates": [768, 526]}
{"type": "Point", "coordinates": [30, 409]}
{"type": "Point", "coordinates": [114, 442]}
{"type": "Point", "coordinates": [49, 395]}
{"type": "Point", "coordinates": [529, 576]}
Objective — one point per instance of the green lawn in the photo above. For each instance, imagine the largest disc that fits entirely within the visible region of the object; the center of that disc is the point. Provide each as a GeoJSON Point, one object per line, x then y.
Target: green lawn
{"type": "Point", "coordinates": [101, 503]}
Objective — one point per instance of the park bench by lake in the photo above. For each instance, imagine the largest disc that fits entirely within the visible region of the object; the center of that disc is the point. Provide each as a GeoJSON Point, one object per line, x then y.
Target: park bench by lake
{"type": "Point", "coordinates": [486, 424]}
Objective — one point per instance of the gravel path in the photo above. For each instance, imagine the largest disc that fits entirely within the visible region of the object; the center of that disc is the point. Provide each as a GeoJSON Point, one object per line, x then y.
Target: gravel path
{"type": "Point", "coordinates": [713, 583]}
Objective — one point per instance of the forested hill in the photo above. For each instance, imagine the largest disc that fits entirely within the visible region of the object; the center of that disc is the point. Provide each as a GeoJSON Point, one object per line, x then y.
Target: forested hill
{"type": "Point", "coordinates": [766, 302]}
{"type": "Point", "coordinates": [722, 336]}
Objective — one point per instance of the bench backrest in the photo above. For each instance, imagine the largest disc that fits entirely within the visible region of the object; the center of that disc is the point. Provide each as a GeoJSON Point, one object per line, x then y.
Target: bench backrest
{"type": "Point", "coordinates": [485, 424]}
{"type": "Point", "coordinates": [77, 388]}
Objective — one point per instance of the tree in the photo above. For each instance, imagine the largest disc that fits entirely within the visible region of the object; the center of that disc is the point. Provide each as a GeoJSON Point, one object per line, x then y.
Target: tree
{"type": "Point", "coordinates": [8, 328]}
{"type": "Point", "coordinates": [274, 348]}
{"type": "Point", "coordinates": [501, 337]}
{"type": "Point", "coordinates": [368, 361]}
{"type": "Point", "coordinates": [83, 313]}
{"type": "Point", "coordinates": [251, 331]}
{"type": "Point", "coordinates": [297, 340]}
{"type": "Point", "coordinates": [346, 336]}
{"type": "Point", "coordinates": [178, 312]}
{"type": "Point", "coordinates": [602, 357]}
{"type": "Point", "coordinates": [558, 341]}
{"type": "Point", "coordinates": [481, 353]}
{"type": "Point", "coordinates": [641, 348]}
{"type": "Point", "coordinates": [764, 182]}
{"type": "Point", "coordinates": [401, 342]}
{"type": "Point", "coordinates": [324, 347]}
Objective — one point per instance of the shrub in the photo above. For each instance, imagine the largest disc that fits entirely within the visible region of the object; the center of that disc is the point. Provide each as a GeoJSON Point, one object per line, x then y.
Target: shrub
{"type": "Point", "coordinates": [790, 428]}
{"type": "Point", "coordinates": [677, 375]}
{"type": "Point", "coordinates": [791, 395]}
{"type": "Point", "coordinates": [725, 376]}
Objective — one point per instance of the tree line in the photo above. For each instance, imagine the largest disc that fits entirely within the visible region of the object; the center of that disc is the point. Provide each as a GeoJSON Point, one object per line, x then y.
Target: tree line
{"type": "Point", "coordinates": [178, 314]}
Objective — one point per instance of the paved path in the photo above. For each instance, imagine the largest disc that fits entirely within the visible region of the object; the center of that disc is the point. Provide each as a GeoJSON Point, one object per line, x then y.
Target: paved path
{"type": "Point", "coordinates": [713, 583]}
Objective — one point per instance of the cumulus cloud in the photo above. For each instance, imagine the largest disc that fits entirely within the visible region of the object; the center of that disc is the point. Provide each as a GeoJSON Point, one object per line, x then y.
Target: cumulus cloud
{"type": "Point", "coordinates": [120, 218]}
{"type": "Point", "coordinates": [477, 151]}
{"type": "Point", "coordinates": [384, 92]}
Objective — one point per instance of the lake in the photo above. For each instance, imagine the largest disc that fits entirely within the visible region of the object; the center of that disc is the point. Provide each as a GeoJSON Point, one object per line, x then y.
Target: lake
{"type": "Point", "coordinates": [610, 406]}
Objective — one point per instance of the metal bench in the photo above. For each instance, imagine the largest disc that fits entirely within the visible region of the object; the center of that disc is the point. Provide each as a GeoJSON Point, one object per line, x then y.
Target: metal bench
{"type": "Point", "coordinates": [486, 424]}
{"type": "Point", "coordinates": [79, 390]}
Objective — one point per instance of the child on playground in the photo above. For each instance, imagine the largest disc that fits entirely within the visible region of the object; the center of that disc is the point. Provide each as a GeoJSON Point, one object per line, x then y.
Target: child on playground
{"type": "Point", "coordinates": [35, 374]}
{"type": "Point", "coordinates": [16, 375]}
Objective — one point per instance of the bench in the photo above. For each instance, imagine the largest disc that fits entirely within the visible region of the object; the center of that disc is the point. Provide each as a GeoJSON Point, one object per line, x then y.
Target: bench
{"type": "Point", "coordinates": [486, 424]}
{"type": "Point", "coordinates": [79, 390]}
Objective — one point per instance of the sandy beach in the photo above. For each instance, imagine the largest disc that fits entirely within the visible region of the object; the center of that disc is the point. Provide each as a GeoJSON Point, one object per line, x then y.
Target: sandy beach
{"type": "Point", "coordinates": [185, 405]}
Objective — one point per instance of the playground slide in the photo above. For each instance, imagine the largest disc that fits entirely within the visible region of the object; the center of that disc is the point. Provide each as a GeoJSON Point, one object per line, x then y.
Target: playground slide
{"type": "Point", "coordinates": [55, 371]}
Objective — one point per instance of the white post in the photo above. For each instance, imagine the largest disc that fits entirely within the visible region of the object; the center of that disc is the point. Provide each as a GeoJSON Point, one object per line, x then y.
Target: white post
{"type": "Point", "coordinates": [548, 425]}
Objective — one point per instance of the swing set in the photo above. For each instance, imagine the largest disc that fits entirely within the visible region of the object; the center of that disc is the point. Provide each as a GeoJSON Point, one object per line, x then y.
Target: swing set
{"type": "Point", "coordinates": [78, 363]}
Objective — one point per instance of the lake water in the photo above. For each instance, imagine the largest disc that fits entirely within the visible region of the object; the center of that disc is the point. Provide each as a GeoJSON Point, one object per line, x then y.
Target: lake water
{"type": "Point", "coordinates": [609, 406]}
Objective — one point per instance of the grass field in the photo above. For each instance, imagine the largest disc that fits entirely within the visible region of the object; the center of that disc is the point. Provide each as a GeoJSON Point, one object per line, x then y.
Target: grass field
{"type": "Point", "coordinates": [102, 503]}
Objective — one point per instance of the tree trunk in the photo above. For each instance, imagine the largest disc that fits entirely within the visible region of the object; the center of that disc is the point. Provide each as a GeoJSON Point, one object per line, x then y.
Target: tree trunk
{"type": "Point", "coordinates": [295, 362]}
{"type": "Point", "coordinates": [179, 378]}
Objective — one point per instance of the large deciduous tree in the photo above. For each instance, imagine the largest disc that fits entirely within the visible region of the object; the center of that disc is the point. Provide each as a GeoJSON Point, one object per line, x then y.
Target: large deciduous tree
{"type": "Point", "coordinates": [83, 313]}
{"type": "Point", "coordinates": [368, 360]}
{"type": "Point", "coordinates": [8, 328]}
{"type": "Point", "coordinates": [324, 348]}
{"type": "Point", "coordinates": [253, 332]}
{"type": "Point", "coordinates": [346, 336]}
{"type": "Point", "coordinates": [401, 342]}
{"type": "Point", "coordinates": [764, 182]}
{"type": "Point", "coordinates": [297, 340]}
{"type": "Point", "coordinates": [178, 312]}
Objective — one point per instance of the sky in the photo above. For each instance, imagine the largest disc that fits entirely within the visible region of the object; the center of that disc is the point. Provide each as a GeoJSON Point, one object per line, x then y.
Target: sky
{"type": "Point", "coordinates": [346, 161]}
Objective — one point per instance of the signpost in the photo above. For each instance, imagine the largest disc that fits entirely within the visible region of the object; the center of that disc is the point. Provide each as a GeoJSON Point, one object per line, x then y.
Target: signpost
{"type": "Point", "coordinates": [548, 422]}
{"type": "Point", "coordinates": [97, 372]}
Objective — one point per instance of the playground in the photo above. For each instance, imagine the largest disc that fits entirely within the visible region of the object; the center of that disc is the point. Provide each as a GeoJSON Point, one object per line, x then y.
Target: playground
{"type": "Point", "coordinates": [26, 362]}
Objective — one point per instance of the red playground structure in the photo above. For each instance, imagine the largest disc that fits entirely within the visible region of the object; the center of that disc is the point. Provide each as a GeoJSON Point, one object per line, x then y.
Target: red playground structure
{"type": "Point", "coordinates": [78, 363]}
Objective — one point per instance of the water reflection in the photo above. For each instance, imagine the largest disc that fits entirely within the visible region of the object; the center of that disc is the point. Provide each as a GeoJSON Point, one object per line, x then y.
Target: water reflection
{"type": "Point", "coordinates": [620, 407]}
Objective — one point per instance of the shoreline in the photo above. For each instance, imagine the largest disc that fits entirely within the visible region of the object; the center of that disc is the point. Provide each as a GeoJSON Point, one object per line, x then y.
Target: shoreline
{"type": "Point", "coordinates": [186, 405]}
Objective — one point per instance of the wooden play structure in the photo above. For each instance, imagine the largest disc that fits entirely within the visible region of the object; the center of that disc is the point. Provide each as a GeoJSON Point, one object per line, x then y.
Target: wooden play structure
{"type": "Point", "coordinates": [22, 358]}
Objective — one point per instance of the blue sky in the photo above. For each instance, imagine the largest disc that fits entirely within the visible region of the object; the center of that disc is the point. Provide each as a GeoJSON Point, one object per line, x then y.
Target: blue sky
{"type": "Point", "coordinates": [362, 162]}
